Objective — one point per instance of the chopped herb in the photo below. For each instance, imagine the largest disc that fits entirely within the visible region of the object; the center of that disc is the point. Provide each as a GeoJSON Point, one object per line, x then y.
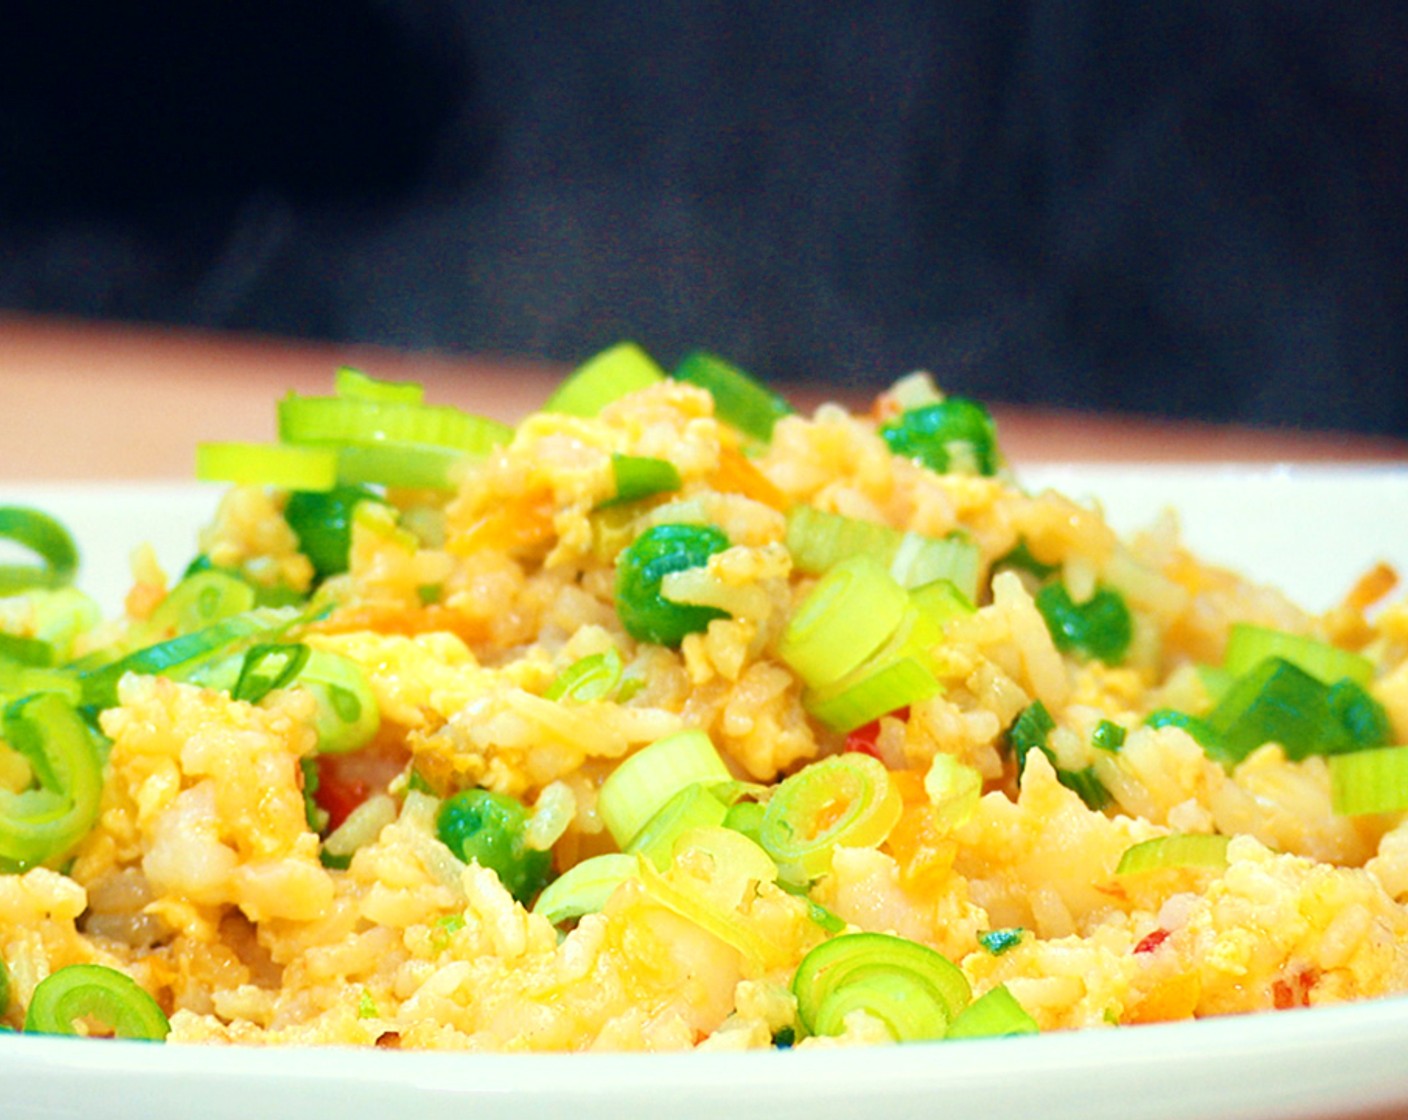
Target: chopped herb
{"type": "Point", "coordinates": [998, 941]}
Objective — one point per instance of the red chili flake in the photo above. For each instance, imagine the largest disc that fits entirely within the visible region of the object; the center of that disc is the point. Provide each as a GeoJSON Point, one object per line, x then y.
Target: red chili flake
{"type": "Point", "coordinates": [1294, 992]}
{"type": "Point", "coordinates": [1152, 941]}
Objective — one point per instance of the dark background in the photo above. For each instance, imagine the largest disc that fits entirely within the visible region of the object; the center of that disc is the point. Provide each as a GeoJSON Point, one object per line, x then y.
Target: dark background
{"type": "Point", "coordinates": [1195, 209]}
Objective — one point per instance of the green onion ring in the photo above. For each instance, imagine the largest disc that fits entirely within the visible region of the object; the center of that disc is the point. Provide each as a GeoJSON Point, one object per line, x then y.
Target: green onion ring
{"type": "Point", "coordinates": [47, 539]}
{"type": "Point", "coordinates": [95, 991]}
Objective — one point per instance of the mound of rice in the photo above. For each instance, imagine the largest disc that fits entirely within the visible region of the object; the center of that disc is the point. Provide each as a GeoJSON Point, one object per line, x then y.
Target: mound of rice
{"type": "Point", "coordinates": [203, 878]}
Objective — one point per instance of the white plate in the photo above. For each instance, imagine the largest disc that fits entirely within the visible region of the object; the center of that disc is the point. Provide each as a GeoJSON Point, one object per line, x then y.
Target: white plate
{"type": "Point", "coordinates": [1310, 530]}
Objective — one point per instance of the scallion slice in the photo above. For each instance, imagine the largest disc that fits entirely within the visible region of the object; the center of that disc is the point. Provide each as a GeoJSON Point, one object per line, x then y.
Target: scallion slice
{"type": "Point", "coordinates": [268, 666]}
{"type": "Point", "coordinates": [1369, 781]}
{"type": "Point", "coordinates": [348, 715]}
{"type": "Point", "coordinates": [695, 806]}
{"type": "Point", "coordinates": [818, 541]}
{"type": "Point", "coordinates": [267, 464]}
{"type": "Point", "coordinates": [201, 600]}
{"type": "Point", "coordinates": [954, 790]}
{"type": "Point", "coordinates": [52, 544]}
{"type": "Point", "coordinates": [639, 476]}
{"type": "Point", "coordinates": [739, 399]}
{"type": "Point", "coordinates": [94, 991]}
{"type": "Point", "coordinates": [340, 420]}
{"type": "Point", "coordinates": [584, 887]}
{"type": "Point", "coordinates": [1100, 626]}
{"type": "Point", "coordinates": [180, 656]}
{"type": "Point", "coordinates": [897, 675]}
{"type": "Point", "coordinates": [1279, 702]}
{"type": "Point", "coordinates": [643, 782]}
{"type": "Point", "coordinates": [610, 375]}
{"type": "Point", "coordinates": [1248, 646]}
{"type": "Point", "coordinates": [412, 466]}
{"type": "Point", "coordinates": [845, 799]}
{"type": "Point", "coordinates": [1177, 850]}
{"type": "Point", "coordinates": [1108, 736]}
{"type": "Point", "coordinates": [914, 990]}
{"type": "Point", "coordinates": [30, 652]}
{"type": "Point", "coordinates": [845, 618]}
{"type": "Point", "coordinates": [994, 1014]}
{"type": "Point", "coordinates": [589, 678]}
{"type": "Point", "coordinates": [941, 601]}
{"type": "Point", "coordinates": [919, 560]}
{"type": "Point", "coordinates": [46, 822]}
{"type": "Point", "coordinates": [355, 384]}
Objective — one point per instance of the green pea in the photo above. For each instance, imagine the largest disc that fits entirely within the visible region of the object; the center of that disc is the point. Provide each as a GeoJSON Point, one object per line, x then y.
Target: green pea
{"type": "Point", "coordinates": [644, 611]}
{"type": "Point", "coordinates": [488, 828]}
{"type": "Point", "coordinates": [934, 433]}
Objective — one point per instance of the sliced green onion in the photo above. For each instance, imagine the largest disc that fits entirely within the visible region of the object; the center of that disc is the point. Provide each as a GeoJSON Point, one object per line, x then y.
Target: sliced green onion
{"type": "Point", "coordinates": [1086, 784]}
{"type": "Point", "coordinates": [322, 522]}
{"type": "Point", "coordinates": [739, 399]}
{"type": "Point", "coordinates": [1100, 627]}
{"type": "Point", "coordinates": [746, 817]}
{"type": "Point", "coordinates": [610, 375]}
{"type": "Point", "coordinates": [863, 696]}
{"type": "Point", "coordinates": [1029, 732]}
{"type": "Point", "coordinates": [51, 543]}
{"type": "Point", "coordinates": [4, 987]}
{"type": "Point", "coordinates": [339, 420]}
{"type": "Point", "coordinates": [643, 782]}
{"type": "Point", "coordinates": [693, 807]}
{"type": "Point", "coordinates": [182, 655]}
{"type": "Point", "coordinates": [1198, 729]}
{"type": "Point", "coordinates": [589, 678]}
{"type": "Point", "coordinates": [348, 715]}
{"type": "Point", "coordinates": [998, 941]}
{"type": "Point", "coordinates": [921, 560]}
{"type": "Point", "coordinates": [953, 434]}
{"type": "Point", "coordinates": [1020, 557]}
{"type": "Point", "coordinates": [994, 1014]}
{"type": "Point", "coordinates": [1177, 850]}
{"type": "Point", "coordinates": [353, 383]}
{"type": "Point", "coordinates": [1108, 736]}
{"type": "Point", "coordinates": [1215, 681]}
{"type": "Point", "coordinates": [1248, 646]}
{"type": "Point", "coordinates": [1369, 781]}
{"type": "Point", "coordinates": [638, 476]}
{"type": "Point", "coordinates": [847, 799]}
{"type": "Point", "coordinates": [45, 823]}
{"type": "Point", "coordinates": [847, 616]}
{"type": "Point", "coordinates": [266, 667]}
{"type": "Point", "coordinates": [897, 675]}
{"type": "Point", "coordinates": [585, 887]}
{"type": "Point", "coordinates": [640, 570]}
{"type": "Point", "coordinates": [30, 652]}
{"type": "Point", "coordinates": [1281, 703]}
{"type": "Point", "coordinates": [954, 790]}
{"type": "Point", "coordinates": [941, 601]}
{"type": "Point", "coordinates": [93, 991]}
{"type": "Point", "coordinates": [267, 464]}
{"type": "Point", "coordinates": [201, 600]}
{"type": "Point", "coordinates": [818, 541]}
{"type": "Point", "coordinates": [712, 902]}
{"type": "Point", "coordinates": [412, 466]}
{"type": "Point", "coordinates": [913, 990]}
